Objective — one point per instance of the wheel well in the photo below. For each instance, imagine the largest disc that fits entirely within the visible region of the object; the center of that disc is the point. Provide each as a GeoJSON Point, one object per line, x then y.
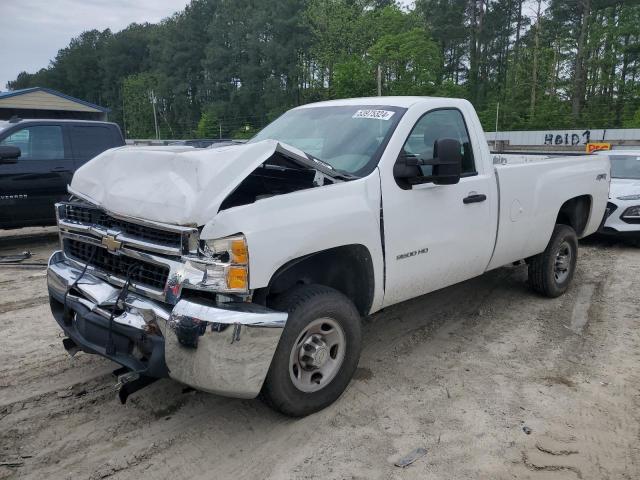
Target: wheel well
{"type": "Point", "coordinates": [575, 213]}
{"type": "Point", "coordinates": [348, 269]}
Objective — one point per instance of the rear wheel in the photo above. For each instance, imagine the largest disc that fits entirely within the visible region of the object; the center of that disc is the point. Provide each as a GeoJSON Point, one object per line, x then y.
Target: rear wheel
{"type": "Point", "coordinates": [551, 272]}
{"type": "Point", "coordinates": [317, 353]}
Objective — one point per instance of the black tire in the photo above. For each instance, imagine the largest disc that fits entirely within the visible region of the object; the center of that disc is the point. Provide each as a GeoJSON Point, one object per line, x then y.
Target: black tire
{"type": "Point", "coordinates": [305, 305]}
{"type": "Point", "coordinates": [544, 277]}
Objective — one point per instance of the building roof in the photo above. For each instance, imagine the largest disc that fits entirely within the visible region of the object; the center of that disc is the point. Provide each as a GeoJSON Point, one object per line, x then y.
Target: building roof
{"type": "Point", "coordinates": [40, 93]}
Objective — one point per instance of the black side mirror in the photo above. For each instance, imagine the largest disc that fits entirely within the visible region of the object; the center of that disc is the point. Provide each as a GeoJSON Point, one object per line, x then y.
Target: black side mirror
{"type": "Point", "coordinates": [448, 153]}
{"type": "Point", "coordinates": [446, 163]}
{"type": "Point", "coordinates": [9, 154]}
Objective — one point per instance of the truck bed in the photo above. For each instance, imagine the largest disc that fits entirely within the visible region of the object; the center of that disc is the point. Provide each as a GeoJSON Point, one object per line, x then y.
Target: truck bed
{"type": "Point", "coordinates": [531, 187]}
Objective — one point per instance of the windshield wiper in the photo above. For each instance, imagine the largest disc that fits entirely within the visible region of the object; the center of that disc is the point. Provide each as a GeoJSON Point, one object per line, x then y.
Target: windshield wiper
{"type": "Point", "coordinates": [331, 171]}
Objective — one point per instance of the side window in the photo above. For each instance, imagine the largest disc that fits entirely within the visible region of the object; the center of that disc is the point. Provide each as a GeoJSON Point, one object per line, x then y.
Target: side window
{"type": "Point", "coordinates": [89, 141]}
{"type": "Point", "coordinates": [42, 142]}
{"type": "Point", "coordinates": [433, 126]}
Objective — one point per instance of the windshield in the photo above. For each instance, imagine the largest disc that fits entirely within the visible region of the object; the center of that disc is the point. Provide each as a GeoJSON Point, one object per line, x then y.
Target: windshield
{"type": "Point", "coordinates": [625, 166]}
{"type": "Point", "coordinates": [349, 138]}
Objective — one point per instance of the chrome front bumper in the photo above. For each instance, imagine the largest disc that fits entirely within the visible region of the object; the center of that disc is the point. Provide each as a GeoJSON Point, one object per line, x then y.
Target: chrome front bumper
{"type": "Point", "coordinates": [223, 349]}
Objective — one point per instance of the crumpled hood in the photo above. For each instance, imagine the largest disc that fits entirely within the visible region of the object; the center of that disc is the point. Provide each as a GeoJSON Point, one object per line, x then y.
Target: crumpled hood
{"type": "Point", "coordinates": [621, 187]}
{"type": "Point", "coordinates": [182, 186]}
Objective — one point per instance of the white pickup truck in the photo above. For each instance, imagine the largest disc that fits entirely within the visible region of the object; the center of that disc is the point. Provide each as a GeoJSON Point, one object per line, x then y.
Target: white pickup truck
{"type": "Point", "coordinates": [246, 269]}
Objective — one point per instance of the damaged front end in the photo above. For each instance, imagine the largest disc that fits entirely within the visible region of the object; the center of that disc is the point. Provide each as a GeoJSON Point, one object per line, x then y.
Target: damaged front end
{"type": "Point", "coordinates": [141, 287]}
{"type": "Point", "coordinates": [223, 349]}
{"type": "Point", "coordinates": [138, 294]}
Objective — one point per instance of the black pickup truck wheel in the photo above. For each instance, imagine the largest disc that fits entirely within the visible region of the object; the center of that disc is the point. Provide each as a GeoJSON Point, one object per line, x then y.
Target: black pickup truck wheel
{"type": "Point", "coordinates": [551, 271]}
{"type": "Point", "coordinates": [317, 353]}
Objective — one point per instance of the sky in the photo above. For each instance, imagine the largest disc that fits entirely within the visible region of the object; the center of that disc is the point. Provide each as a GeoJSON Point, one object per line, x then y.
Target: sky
{"type": "Point", "coordinates": [32, 31]}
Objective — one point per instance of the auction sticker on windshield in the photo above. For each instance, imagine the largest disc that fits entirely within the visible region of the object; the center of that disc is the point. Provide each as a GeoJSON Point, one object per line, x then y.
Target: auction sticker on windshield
{"type": "Point", "coordinates": [375, 114]}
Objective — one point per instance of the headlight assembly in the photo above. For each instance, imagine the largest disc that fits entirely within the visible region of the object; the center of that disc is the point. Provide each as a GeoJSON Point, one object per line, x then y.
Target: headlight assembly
{"type": "Point", "coordinates": [231, 249]}
{"type": "Point", "coordinates": [226, 264]}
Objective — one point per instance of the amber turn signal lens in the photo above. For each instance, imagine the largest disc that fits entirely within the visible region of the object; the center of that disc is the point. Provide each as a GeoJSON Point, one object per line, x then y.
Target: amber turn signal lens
{"type": "Point", "coordinates": [239, 251]}
{"type": "Point", "coordinates": [237, 278]}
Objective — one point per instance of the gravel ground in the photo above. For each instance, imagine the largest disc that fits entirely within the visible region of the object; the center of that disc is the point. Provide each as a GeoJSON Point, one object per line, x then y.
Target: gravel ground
{"type": "Point", "coordinates": [492, 380]}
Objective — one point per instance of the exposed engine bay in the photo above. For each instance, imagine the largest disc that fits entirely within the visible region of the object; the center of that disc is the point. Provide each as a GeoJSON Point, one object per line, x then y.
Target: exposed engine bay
{"type": "Point", "coordinates": [277, 176]}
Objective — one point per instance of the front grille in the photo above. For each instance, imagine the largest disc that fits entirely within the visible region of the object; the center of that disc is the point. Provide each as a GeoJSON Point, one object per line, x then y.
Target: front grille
{"type": "Point", "coordinates": [146, 274]}
{"type": "Point", "coordinates": [93, 216]}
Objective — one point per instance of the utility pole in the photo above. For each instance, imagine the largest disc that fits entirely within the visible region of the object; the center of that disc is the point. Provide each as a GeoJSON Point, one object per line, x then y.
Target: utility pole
{"type": "Point", "coordinates": [534, 73]}
{"type": "Point", "coordinates": [153, 99]}
{"type": "Point", "coordinates": [379, 80]}
{"type": "Point", "coordinates": [124, 114]}
{"type": "Point", "coordinates": [497, 118]}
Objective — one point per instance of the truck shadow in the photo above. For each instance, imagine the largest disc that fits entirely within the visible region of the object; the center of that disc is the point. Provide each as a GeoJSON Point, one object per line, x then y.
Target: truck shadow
{"type": "Point", "coordinates": [608, 241]}
{"type": "Point", "coordinates": [32, 238]}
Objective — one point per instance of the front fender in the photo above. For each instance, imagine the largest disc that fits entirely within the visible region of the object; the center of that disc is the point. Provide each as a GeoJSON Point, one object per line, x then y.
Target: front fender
{"type": "Point", "coordinates": [289, 226]}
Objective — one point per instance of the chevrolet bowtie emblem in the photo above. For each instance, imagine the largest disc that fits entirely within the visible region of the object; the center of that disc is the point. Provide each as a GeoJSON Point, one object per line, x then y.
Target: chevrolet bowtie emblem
{"type": "Point", "coordinates": [112, 244]}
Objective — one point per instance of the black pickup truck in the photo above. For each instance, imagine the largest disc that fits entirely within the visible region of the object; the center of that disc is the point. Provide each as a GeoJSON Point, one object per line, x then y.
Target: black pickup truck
{"type": "Point", "coordinates": [38, 159]}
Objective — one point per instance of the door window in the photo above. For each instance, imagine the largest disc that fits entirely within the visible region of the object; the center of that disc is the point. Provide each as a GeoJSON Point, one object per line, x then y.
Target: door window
{"type": "Point", "coordinates": [89, 141]}
{"type": "Point", "coordinates": [435, 125]}
{"type": "Point", "coordinates": [41, 142]}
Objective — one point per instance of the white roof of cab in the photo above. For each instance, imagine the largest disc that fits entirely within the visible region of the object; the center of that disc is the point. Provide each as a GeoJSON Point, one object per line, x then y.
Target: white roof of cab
{"type": "Point", "coordinates": [403, 102]}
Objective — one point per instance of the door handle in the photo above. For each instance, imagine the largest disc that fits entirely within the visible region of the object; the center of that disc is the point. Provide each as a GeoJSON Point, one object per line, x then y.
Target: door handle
{"type": "Point", "coordinates": [474, 198]}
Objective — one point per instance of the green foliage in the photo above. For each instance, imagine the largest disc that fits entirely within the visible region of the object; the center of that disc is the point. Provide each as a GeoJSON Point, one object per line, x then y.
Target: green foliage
{"type": "Point", "coordinates": [354, 77]}
{"type": "Point", "coordinates": [633, 122]}
{"type": "Point", "coordinates": [137, 98]}
{"type": "Point", "coordinates": [208, 126]}
{"type": "Point", "coordinates": [244, 132]}
{"type": "Point", "coordinates": [451, 89]}
{"type": "Point", "coordinates": [411, 62]}
{"type": "Point", "coordinates": [224, 65]}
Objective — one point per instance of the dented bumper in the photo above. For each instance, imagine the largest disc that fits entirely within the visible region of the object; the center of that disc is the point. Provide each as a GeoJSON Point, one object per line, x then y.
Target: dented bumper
{"type": "Point", "coordinates": [224, 349]}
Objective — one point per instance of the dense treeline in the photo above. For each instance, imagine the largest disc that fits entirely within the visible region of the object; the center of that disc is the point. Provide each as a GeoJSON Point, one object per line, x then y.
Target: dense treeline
{"type": "Point", "coordinates": [228, 67]}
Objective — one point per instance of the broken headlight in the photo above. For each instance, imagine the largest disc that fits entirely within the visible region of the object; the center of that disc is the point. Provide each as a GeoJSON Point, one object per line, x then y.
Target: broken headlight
{"type": "Point", "coordinates": [226, 264]}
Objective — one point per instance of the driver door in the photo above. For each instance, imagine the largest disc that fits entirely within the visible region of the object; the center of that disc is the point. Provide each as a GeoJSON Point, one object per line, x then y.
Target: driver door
{"type": "Point", "coordinates": [435, 237]}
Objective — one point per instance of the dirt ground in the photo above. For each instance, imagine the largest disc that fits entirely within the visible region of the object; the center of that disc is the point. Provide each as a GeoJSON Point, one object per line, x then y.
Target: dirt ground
{"type": "Point", "coordinates": [464, 372]}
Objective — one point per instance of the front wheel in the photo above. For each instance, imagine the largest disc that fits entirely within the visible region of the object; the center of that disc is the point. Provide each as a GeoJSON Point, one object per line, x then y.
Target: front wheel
{"type": "Point", "coordinates": [317, 353]}
{"type": "Point", "coordinates": [551, 271]}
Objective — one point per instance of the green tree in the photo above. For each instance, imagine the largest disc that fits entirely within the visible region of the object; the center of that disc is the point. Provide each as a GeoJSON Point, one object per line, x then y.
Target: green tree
{"type": "Point", "coordinates": [354, 77]}
{"type": "Point", "coordinates": [208, 126]}
{"type": "Point", "coordinates": [575, 63]}
{"type": "Point", "coordinates": [138, 91]}
{"type": "Point", "coordinates": [411, 62]}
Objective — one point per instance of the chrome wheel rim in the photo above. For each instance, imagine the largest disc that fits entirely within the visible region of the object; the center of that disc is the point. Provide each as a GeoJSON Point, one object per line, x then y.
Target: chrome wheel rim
{"type": "Point", "coordinates": [317, 355]}
{"type": "Point", "coordinates": [562, 265]}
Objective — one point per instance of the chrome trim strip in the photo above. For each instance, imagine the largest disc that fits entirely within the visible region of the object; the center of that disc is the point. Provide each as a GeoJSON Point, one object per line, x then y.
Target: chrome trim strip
{"type": "Point", "coordinates": [264, 319]}
{"type": "Point", "coordinates": [123, 237]}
